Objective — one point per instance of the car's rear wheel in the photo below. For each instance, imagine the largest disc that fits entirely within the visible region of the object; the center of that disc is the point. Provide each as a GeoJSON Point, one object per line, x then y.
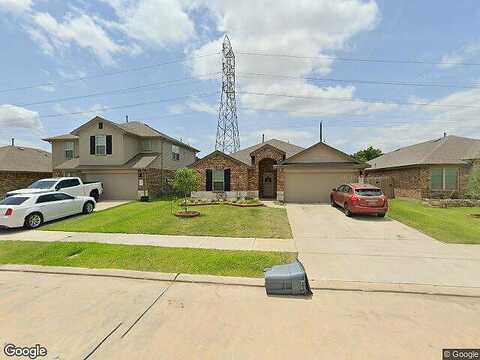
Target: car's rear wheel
{"type": "Point", "coordinates": [88, 207]}
{"type": "Point", "coordinates": [34, 221]}
{"type": "Point", "coordinates": [346, 210]}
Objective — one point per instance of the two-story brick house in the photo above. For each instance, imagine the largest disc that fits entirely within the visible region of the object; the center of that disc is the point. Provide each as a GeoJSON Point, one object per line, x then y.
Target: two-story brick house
{"type": "Point", "coordinates": [131, 159]}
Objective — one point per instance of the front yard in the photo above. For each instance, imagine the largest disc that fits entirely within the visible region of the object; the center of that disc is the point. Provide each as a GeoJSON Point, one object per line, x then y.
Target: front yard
{"type": "Point", "coordinates": [452, 225]}
{"type": "Point", "coordinates": [142, 258]}
{"type": "Point", "coordinates": [156, 217]}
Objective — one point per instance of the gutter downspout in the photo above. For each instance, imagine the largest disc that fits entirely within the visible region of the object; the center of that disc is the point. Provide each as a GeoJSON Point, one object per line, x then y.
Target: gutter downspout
{"type": "Point", "coordinates": [161, 166]}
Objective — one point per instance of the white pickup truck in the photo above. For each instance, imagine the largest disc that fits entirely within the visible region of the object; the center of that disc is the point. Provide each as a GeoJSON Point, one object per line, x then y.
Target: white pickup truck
{"type": "Point", "coordinates": [70, 185]}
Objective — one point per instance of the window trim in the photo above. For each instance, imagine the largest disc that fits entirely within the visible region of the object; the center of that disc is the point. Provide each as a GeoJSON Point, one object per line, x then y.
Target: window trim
{"type": "Point", "coordinates": [175, 154]}
{"type": "Point", "coordinates": [66, 149]}
{"type": "Point", "coordinates": [444, 187]}
{"type": "Point", "coordinates": [222, 171]}
{"type": "Point", "coordinates": [147, 148]}
{"type": "Point", "coordinates": [104, 137]}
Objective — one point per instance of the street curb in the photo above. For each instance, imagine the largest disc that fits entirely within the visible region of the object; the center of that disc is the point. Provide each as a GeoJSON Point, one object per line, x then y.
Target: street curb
{"type": "Point", "coordinates": [319, 285]}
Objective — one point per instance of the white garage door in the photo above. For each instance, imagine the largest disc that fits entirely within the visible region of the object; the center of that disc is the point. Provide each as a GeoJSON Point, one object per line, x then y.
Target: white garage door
{"type": "Point", "coordinates": [314, 186]}
{"type": "Point", "coordinates": [116, 186]}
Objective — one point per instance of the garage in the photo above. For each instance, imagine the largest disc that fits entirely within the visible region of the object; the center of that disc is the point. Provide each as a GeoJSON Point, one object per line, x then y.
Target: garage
{"type": "Point", "coordinates": [314, 186]}
{"type": "Point", "coordinates": [116, 185]}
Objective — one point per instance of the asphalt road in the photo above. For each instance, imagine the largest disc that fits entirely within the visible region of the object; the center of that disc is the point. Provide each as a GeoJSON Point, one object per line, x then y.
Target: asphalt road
{"type": "Point", "coordinates": [84, 317]}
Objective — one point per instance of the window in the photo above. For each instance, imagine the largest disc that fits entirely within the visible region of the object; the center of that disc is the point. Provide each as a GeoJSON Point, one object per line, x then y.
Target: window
{"type": "Point", "coordinates": [175, 153]}
{"type": "Point", "coordinates": [67, 184]}
{"type": "Point", "coordinates": [451, 178]}
{"type": "Point", "coordinates": [218, 180]}
{"type": "Point", "coordinates": [14, 200]}
{"type": "Point", "coordinates": [147, 144]}
{"type": "Point", "coordinates": [100, 145]}
{"type": "Point", "coordinates": [62, 196]}
{"type": "Point", "coordinates": [100, 125]}
{"type": "Point", "coordinates": [253, 159]}
{"type": "Point", "coordinates": [69, 150]}
{"type": "Point", "coordinates": [444, 179]}
{"type": "Point", "coordinates": [369, 192]}
{"type": "Point", "coordinates": [43, 184]}
{"type": "Point", "coordinates": [46, 198]}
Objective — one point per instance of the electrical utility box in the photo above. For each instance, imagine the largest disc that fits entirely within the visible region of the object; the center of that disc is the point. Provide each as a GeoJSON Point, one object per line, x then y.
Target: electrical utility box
{"type": "Point", "coordinates": [288, 279]}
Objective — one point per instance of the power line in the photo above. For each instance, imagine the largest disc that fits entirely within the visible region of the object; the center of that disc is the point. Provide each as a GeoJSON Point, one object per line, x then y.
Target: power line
{"type": "Point", "coordinates": [104, 109]}
{"type": "Point", "coordinates": [118, 91]}
{"type": "Point", "coordinates": [112, 73]}
{"type": "Point", "coordinates": [372, 101]}
{"type": "Point", "coordinates": [386, 61]}
{"type": "Point", "coordinates": [373, 82]}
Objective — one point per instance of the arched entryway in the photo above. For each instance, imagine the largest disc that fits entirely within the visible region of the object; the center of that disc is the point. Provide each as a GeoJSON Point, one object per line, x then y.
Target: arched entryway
{"type": "Point", "coordinates": [267, 179]}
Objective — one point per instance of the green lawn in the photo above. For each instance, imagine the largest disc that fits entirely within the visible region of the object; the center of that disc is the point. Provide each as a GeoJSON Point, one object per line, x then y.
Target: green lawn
{"type": "Point", "coordinates": [156, 218]}
{"type": "Point", "coordinates": [453, 225]}
{"type": "Point", "coordinates": [141, 258]}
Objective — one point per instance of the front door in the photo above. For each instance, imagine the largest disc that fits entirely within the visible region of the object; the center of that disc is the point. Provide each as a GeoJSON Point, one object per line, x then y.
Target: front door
{"type": "Point", "coordinates": [267, 182]}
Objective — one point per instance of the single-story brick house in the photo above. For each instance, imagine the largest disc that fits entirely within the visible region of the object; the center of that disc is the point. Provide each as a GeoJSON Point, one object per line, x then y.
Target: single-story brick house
{"type": "Point", "coordinates": [431, 169]}
{"type": "Point", "coordinates": [275, 169]}
{"type": "Point", "coordinates": [21, 166]}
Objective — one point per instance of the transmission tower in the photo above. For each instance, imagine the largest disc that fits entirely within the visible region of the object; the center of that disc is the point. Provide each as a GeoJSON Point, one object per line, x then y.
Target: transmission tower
{"type": "Point", "coordinates": [228, 138]}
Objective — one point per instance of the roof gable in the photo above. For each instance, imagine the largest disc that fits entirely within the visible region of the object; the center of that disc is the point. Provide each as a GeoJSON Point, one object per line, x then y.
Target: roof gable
{"type": "Point", "coordinates": [267, 146]}
{"type": "Point", "coordinates": [289, 150]}
{"type": "Point", "coordinates": [217, 153]}
{"type": "Point", "coordinates": [320, 153]}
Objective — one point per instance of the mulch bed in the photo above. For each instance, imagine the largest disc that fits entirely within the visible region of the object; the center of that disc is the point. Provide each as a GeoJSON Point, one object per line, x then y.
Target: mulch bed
{"type": "Point", "coordinates": [226, 203]}
{"type": "Point", "coordinates": [187, 214]}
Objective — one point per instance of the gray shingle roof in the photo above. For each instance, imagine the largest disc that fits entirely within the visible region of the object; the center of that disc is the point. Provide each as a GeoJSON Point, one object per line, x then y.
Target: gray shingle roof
{"type": "Point", "coordinates": [62, 137]}
{"type": "Point", "coordinates": [289, 149]}
{"type": "Point", "coordinates": [447, 150]}
{"type": "Point", "coordinates": [143, 130]}
{"type": "Point", "coordinates": [19, 158]}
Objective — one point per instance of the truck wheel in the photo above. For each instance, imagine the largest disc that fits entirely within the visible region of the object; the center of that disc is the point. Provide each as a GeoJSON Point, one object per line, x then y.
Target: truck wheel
{"type": "Point", "coordinates": [88, 207]}
{"type": "Point", "coordinates": [33, 221]}
{"type": "Point", "coordinates": [94, 194]}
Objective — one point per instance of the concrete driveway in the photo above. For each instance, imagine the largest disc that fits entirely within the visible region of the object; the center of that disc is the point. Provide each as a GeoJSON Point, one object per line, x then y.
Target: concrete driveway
{"type": "Point", "coordinates": [84, 317]}
{"type": "Point", "coordinates": [335, 247]}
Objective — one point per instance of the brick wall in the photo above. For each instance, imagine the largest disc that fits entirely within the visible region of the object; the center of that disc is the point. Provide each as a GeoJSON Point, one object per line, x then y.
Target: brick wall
{"type": "Point", "coordinates": [407, 182]}
{"type": "Point", "coordinates": [10, 180]}
{"type": "Point", "coordinates": [239, 179]}
{"type": "Point", "coordinates": [158, 181]}
{"type": "Point", "coordinates": [415, 182]}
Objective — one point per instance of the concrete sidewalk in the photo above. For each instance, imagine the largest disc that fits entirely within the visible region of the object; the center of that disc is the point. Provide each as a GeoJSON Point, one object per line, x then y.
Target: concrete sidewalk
{"type": "Point", "coordinates": [200, 242]}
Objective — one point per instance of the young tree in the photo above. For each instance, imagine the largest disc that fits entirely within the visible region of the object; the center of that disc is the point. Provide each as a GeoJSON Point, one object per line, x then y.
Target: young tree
{"type": "Point", "coordinates": [473, 187]}
{"type": "Point", "coordinates": [367, 154]}
{"type": "Point", "coordinates": [185, 181]}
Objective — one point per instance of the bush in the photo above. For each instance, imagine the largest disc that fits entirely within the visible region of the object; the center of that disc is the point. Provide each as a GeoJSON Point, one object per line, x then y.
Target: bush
{"type": "Point", "coordinates": [473, 187]}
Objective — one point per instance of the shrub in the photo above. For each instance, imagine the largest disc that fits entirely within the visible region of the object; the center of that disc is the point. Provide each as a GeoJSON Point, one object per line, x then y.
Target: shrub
{"type": "Point", "coordinates": [473, 187]}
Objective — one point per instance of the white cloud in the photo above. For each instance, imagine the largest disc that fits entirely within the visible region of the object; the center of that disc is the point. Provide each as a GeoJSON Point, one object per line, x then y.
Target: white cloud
{"type": "Point", "coordinates": [459, 56]}
{"type": "Point", "coordinates": [154, 22]}
{"type": "Point", "coordinates": [309, 28]}
{"type": "Point", "coordinates": [201, 106]}
{"type": "Point", "coordinates": [80, 30]}
{"type": "Point", "coordinates": [297, 137]}
{"type": "Point", "coordinates": [15, 6]}
{"type": "Point", "coordinates": [14, 117]}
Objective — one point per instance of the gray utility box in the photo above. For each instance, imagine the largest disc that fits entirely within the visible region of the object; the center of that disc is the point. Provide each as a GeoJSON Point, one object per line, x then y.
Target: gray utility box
{"type": "Point", "coordinates": [288, 279]}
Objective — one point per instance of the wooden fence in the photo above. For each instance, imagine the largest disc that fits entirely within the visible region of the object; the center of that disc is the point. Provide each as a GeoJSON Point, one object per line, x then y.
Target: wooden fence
{"type": "Point", "coordinates": [383, 182]}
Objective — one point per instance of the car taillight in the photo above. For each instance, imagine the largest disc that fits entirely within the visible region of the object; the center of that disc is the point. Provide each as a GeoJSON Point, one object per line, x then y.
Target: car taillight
{"type": "Point", "coordinates": [355, 199]}
{"type": "Point", "coordinates": [9, 212]}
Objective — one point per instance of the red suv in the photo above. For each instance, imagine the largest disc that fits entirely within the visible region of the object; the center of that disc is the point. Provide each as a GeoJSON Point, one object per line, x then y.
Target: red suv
{"type": "Point", "coordinates": [360, 199]}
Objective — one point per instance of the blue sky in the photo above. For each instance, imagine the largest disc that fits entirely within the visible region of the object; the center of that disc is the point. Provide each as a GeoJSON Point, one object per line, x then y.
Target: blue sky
{"type": "Point", "coordinates": [56, 42]}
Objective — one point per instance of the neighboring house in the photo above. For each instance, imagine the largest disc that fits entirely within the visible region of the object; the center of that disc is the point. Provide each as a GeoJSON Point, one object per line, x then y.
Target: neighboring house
{"type": "Point", "coordinates": [21, 166]}
{"type": "Point", "coordinates": [276, 170]}
{"type": "Point", "coordinates": [131, 159]}
{"type": "Point", "coordinates": [435, 168]}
